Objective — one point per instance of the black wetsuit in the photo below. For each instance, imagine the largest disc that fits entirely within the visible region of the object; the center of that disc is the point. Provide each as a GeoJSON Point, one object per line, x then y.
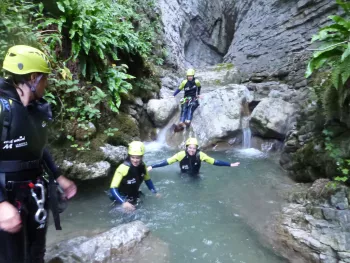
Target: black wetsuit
{"type": "Point", "coordinates": [23, 139]}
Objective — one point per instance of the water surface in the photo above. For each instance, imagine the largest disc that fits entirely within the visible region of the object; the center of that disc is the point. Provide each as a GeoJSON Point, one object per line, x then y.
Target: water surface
{"type": "Point", "coordinates": [215, 217]}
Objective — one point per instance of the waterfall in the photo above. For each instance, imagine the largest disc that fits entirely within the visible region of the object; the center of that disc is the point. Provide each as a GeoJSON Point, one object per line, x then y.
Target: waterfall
{"type": "Point", "coordinates": [247, 134]}
{"type": "Point", "coordinates": [245, 118]}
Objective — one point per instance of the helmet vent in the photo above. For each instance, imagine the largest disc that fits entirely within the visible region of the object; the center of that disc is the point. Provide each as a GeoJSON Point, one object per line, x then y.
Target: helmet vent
{"type": "Point", "coordinates": [12, 55]}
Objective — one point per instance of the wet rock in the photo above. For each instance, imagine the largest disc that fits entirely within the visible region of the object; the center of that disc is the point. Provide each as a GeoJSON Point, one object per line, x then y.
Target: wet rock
{"type": "Point", "coordinates": [138, 102]}
{"type": "Point", "coordinates": [102, 248]}
{"type": "Point", "coordinates": [165, 93]}
{"type": "Point", "coordinates": [219, 113]}
{"type": "Point", "coordinates": [170, 81]}
{"type": "Point", "coordinates": [83, 171]}
{"type": "Point", "coordinates": [312, 224]}
{"type": "Point", "coordinates": [218, 75]}
{"type": "Point", "coordinates": [272, 118]}
{"type": "Point", "coordinates": [160, 111]}
{"type": "Point", "coordinates": [114, 154]}
{"type": "Point", "coordinates": [272, 89]}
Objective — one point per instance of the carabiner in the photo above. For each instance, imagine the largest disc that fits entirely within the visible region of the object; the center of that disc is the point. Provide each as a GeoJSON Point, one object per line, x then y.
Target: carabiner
{"type": "Point", "coordinates": [41, 213]}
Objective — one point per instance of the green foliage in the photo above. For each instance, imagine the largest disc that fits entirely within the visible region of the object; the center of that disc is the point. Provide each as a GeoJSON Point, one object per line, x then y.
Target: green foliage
{"type": "Point", "coordinates": [343, 164]}
{"type": "Point", "coordinates": [110, 131]}
{"type": "Point", "coordinates": [14, 26]}
{"type": "Point", "coordinates": [89, 44]}
{"type": "Point", "coordinates": [334, 55]}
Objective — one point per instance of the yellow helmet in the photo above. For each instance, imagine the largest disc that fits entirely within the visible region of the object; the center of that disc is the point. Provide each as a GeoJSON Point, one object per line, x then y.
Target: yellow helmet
{"type": "Point", "coordinates": [136, 148]}
{"type": "Point", "coordinates": [190, 72]}
{"type": "Point", "coordinates": [22, 60]}
{"type": "Point", "coordinates": [191, 141]}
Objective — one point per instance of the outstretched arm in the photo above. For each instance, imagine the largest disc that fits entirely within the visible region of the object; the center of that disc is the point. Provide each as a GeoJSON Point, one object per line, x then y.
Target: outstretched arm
{"type": "Point", "coordinates": [176, 158]}
{"type": "Point", "coordinates": [182, 85]}
{"type": "Point", "coordinates": [204, 157]}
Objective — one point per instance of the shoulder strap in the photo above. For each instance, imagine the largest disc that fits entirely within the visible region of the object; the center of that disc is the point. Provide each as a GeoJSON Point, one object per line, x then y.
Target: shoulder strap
{"type": "Point", "coordinates": [5, 117]}
{"type": "Point", "coordinates": [127, 163]}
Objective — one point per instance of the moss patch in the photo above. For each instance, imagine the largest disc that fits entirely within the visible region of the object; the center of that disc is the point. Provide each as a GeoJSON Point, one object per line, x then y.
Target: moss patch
{"type": "Point", "coordinates": [223, 66]}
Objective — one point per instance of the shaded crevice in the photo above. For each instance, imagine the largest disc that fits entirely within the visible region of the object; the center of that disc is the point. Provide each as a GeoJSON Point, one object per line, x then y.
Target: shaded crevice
{"type": "Point", "coordinates": [209, 35]}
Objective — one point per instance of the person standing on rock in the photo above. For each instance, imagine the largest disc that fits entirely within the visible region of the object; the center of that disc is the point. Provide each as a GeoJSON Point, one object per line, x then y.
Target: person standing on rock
{"type": "Point", "coordinates": [190, 160]}
{"type": "Point", "coordinates": [129, 176]}
{"type": "Point", "coordinates": [23, 129]}
{"type": "Point", "coordinates": [189, 103]}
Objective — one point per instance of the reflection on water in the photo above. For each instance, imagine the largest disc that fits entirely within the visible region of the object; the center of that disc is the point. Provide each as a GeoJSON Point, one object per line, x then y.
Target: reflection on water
{"type": "Point", "coordinates": [211, 218]}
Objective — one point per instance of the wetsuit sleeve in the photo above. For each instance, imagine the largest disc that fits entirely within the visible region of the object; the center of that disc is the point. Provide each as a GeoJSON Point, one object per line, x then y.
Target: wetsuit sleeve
{"type": "Point", "coordinates": [160, 164]}
{"type": "Point", "coordinates": [121, 171]}
{"type": "Point", "coordinates": [116, 195]}
{"type": "Point", "coordinates": [221, 163]}
{"type": "Point", "coordinates": [205, 158]}
{"type": "Point", "coordinates": [149, 182]}
{"type": "Point", "coordinates": [47, 158]}
{"type": "Point", "coordinates": [150, 186]}
{"type": "Point", "coordinates": [182, 85]}
{"type": "Point", "coordinates": [176, 158]}
{"type": "Point", "coordinates": [198, 84]}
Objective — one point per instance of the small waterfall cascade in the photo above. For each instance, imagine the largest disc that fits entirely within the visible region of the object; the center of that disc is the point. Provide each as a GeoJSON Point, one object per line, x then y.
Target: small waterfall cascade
{"type": "Point", "coordinates": [245, 118]}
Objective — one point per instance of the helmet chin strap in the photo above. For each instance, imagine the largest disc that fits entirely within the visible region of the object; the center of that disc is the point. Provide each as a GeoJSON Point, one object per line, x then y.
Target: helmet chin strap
{"type": "Point", "coordinates": [33, 86]}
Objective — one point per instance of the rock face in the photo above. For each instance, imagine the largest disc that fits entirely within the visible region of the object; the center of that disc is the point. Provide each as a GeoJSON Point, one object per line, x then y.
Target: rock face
{"type": "Point", "coordinates": [100, 248]}
{"type": "Point", "coordinates": [272, 118]}
{"type": "Point", "coordinates": [197, 32]}
{"type": "Point", "coordinates": [316, 224]}
{"type": "Point", "coordinates": [160, 111]}
{"type": "Point", "coordinates": [271, 36]}
{"type": "Point", "coordinates": [82, 171]}
{"type": "Point", "coordinates": [218, 116]}
{"type": "Point", "coordinates": [265, 38]}
{"type": "Point", "coordinates": [114, 154]}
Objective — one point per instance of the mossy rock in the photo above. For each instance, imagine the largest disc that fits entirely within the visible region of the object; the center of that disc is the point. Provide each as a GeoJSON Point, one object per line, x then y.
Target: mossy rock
{"type": "Point", "coordinates": [128, 130]}
{"type": "Point", "coordinates": [224, 66]}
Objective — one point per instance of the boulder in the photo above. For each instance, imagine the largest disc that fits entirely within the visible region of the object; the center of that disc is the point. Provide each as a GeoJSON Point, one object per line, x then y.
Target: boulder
{"type": "Point", "coordinates": [100, 248]}
{"type": "Point", "coordinates": [315, 225]}
{"type": "Point", "coordinates": [273, 118]}
{"type": "Point", "coordinates": [83, 171]}
{"type": "Point", "coordinates": [114, 154]}
{"type": "Point", "coordinates": [160, 111]}
{"type": "Point", "coordinates": [217, 117]}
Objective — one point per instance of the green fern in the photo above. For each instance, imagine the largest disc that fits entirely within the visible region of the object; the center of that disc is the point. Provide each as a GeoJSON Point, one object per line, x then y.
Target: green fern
{"type": "Point", "coordinates": [330, 103]}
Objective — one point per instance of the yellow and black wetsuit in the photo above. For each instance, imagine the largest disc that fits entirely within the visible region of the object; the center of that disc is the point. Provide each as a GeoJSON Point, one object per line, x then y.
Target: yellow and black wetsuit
{"type": "Point", "coordinates": [190, 164]}
{"type": "Point", "coordinates": [127, 181]}
{"type": "Point", "coordinates": [189, 103]}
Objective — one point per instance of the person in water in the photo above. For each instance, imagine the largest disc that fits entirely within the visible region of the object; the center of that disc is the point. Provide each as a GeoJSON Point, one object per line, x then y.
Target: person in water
{"type": "Point", "coordinates": [189, 103]}
{"type": "Point", "coordinates": [129, 176]}
{"type": "Point", "coordinates": [190, 160]}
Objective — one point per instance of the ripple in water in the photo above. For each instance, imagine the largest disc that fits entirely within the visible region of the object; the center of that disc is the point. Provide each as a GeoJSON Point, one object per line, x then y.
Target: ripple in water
{"type": "Point", "coordinates": [210, 219]}
{"type": "Point", "coordinates": [250, 153]}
